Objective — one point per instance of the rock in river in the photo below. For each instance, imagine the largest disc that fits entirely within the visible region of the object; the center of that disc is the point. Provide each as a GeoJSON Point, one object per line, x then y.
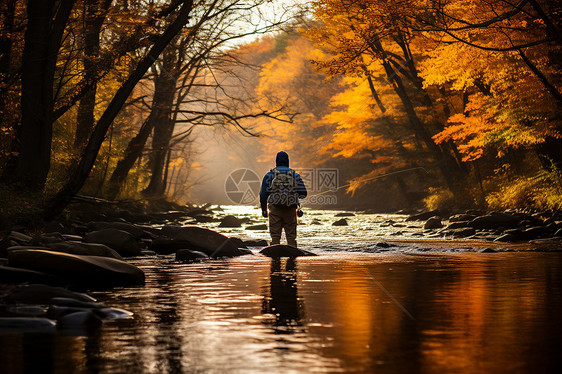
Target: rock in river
{"type": "Point", "coordinates": [433, 223]}
{"type": "Point", "coordinates": [16, 275]}
{"type": "Point", "coordinates": [91, 271]}
{"type": "Point", "coordinates": [186, 255]}
{"type": "Point", "coordinates": [77, 248]}
{"type": "Point", "coordinates": [281, 250]}
{"type": "Point", "coordinates": [340, 222]}
{"type": "Point", "coordinates": [210, 242]}
{"type": "Point", "coordinates": [137, 232]}
{"type": "Point", "coordinates": [230, 221]}
{"type": "Point", "coordinates": [42, 294]}
{"type": "Point", "coordinates": [27, 324]}
{"type": "Point", "coordinates": [495, 220]}
{"type": "Point", "coordinates": [122, 241]}
{"type": "Point", "coordinates": [257, 227]}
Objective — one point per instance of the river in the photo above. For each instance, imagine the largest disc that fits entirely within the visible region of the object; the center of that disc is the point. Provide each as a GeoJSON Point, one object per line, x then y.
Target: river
{"type": "Point", "coordinates": [429, 307]}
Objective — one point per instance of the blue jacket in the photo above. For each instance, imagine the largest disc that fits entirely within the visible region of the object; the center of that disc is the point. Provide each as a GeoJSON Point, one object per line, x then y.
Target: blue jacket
{"type": "Point", "coordinates": [282, 164]}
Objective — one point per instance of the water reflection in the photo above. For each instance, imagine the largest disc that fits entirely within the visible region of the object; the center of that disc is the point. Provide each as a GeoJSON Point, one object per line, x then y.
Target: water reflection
{"type": "Point", "coordinates": [472, 313]}
{"type": "Point", "coordinates": [281, 300]}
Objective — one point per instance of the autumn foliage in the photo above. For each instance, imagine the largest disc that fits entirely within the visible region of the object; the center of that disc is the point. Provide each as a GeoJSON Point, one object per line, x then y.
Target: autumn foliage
{"type": "Point", "coordinates": [468, 90]}
{"type": "Point", "coordinates": [451, 104]}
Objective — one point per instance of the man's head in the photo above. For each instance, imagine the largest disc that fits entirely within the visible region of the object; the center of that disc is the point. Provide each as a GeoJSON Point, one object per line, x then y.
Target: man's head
{"type": "Point", "coordinates": [282, 159]}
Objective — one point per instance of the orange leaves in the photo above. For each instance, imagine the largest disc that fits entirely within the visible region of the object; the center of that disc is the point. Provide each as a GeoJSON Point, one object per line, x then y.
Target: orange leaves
{"type": "Point", "coordinates": [490, 127]}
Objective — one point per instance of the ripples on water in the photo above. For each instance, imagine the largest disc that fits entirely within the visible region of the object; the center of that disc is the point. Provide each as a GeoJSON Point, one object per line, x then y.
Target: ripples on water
{"type": "Point", "coordinates": [344, 311]}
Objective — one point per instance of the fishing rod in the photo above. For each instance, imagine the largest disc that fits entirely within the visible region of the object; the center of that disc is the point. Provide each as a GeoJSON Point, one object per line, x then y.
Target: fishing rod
{"type": "Point", "coordinates": [372, 178]}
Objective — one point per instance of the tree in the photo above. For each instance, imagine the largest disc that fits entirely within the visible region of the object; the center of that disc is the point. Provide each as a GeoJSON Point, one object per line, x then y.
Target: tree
{"type": "Point", "coordinates": [188, 92]}
{"type": "Point", "coordinates": [367, 39]}
{"type": "Point", "coordinates": [77, 179]}
{"type": "Point", "coordinates": [42, 42]}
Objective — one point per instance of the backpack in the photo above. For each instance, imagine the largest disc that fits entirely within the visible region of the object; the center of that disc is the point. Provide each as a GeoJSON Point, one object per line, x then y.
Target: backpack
{"type": "Point", "coordinates": [283, 188]}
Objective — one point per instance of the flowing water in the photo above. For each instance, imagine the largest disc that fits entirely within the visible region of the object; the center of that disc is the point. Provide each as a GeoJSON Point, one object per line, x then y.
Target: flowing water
{"type": "Point", "coordinates": [426, 307]}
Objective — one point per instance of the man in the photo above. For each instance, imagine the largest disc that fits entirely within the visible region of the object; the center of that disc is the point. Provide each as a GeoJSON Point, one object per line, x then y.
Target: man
{"type": "Point", "coordinates": [280, 191]}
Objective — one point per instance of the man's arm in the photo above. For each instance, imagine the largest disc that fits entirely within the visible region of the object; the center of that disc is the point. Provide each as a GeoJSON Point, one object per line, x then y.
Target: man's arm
{"type": "Point", "coordinates": [264, 191]}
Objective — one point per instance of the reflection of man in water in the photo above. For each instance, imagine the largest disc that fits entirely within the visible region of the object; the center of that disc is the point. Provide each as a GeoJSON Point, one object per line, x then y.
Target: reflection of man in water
{"type": "Point", "coordinates": [283, 301]}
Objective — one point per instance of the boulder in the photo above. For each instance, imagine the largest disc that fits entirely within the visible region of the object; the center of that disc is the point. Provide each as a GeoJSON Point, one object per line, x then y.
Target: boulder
{"type": "Point", "coordinates": [42, 294]}
{"type": "Point", "coordinates": [462, 232]}
{"type": "Point", "coordinates": [457, 225]}
{"type": "Point", "coordinates": [488, 250]}
{"type": "Point", "coordinates": [61, 307]}
{"type": "Point", "coordinates": [461, 217]}
{"type": "Point", "coordinates": [256, 243]}
{"type": "Point", "coordinates": [204, 219]}
{"type": "Point", "coordinates": [245, 251]}
{"type": "Point", "coordinates": [423, 216]}
{"type": "Point", "coordinates": [122, 241]}
{"type": "Point", "coordinates": [135, 231]}
{"type": "Point", "coordinates": [27, 324]}
{"type": "Point", "coordinates": [20, 238]}
{"type": "Point", "coordinates": [20, 310]}
{"type": "Point", "coordinates": [495, 220]}
{"type": "Point", "coordinates": [166, 246]}
{"type": "Point", "coordinates": [88, 249]}
{"type": "Point", "coordinates": [281, 250]}
{"type": "Point", "coordinates": [91, 271]}
{"type": "Point", "coordinates": [210, 242]}
{"type": "Point", "coordinates": [196, 212]}
{"type": "Point", "coordinates": [230, 221]}
{"type": "Point", "coordinates": [257, 227]}
{"type": "Point", "coordinates": [69, 302]}
{"type": "Point", "coordinates": [79, 319]}
{"type": "Point", "coordinates": [340, 222]}
{"type": "Point", "coordinates": [433, 223]}
{"type": "Point", "coordinates": [114, 313]}
{"type": "Point", "coordinates": [239, 243]}
{"type": "Point", "coordinates": [49, 237]}
{"type": "Point", "coordinates": [345, 214]}
{"type": "Point", "coordinates": [530, 233]}
{"type": "Point", "coordinates": [186, 255]}
{"type": "Point", "coordinates": [16, 275]}
{"type": "Point", "coordinates": [535, 232]}
{"type": "Point", "coordinates": [58, 311]}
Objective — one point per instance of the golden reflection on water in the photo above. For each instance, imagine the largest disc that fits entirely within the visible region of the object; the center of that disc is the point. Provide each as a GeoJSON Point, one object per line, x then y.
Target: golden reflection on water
{"type": "Point", "coordinates": [471, 312]}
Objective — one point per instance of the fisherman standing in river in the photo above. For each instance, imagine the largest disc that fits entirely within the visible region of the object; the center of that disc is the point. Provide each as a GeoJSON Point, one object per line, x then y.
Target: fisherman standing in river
{"type": "Point", "coordinates": [280, 191]}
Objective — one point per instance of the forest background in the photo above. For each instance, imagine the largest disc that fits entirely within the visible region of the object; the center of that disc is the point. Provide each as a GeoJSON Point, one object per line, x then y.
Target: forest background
{"type": "Point", "coordinates": [419, 104]}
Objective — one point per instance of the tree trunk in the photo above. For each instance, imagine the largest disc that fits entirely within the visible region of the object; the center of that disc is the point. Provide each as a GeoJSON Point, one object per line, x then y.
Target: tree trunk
{"type": "Point", "coordinates": [89, 155]}
{"type": "Point", "coordinates": [42, 42]}
{"type": "Point", "coordinates": [164, 128]}
{"type": "Point", "coordinates": [445, 162]}
{"type": "Point", "coordinates": [160, 146]}
{"type": "Point", "coordinates": [93, 21]}
{"type": "Point", "coordinates": [162, 102]}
